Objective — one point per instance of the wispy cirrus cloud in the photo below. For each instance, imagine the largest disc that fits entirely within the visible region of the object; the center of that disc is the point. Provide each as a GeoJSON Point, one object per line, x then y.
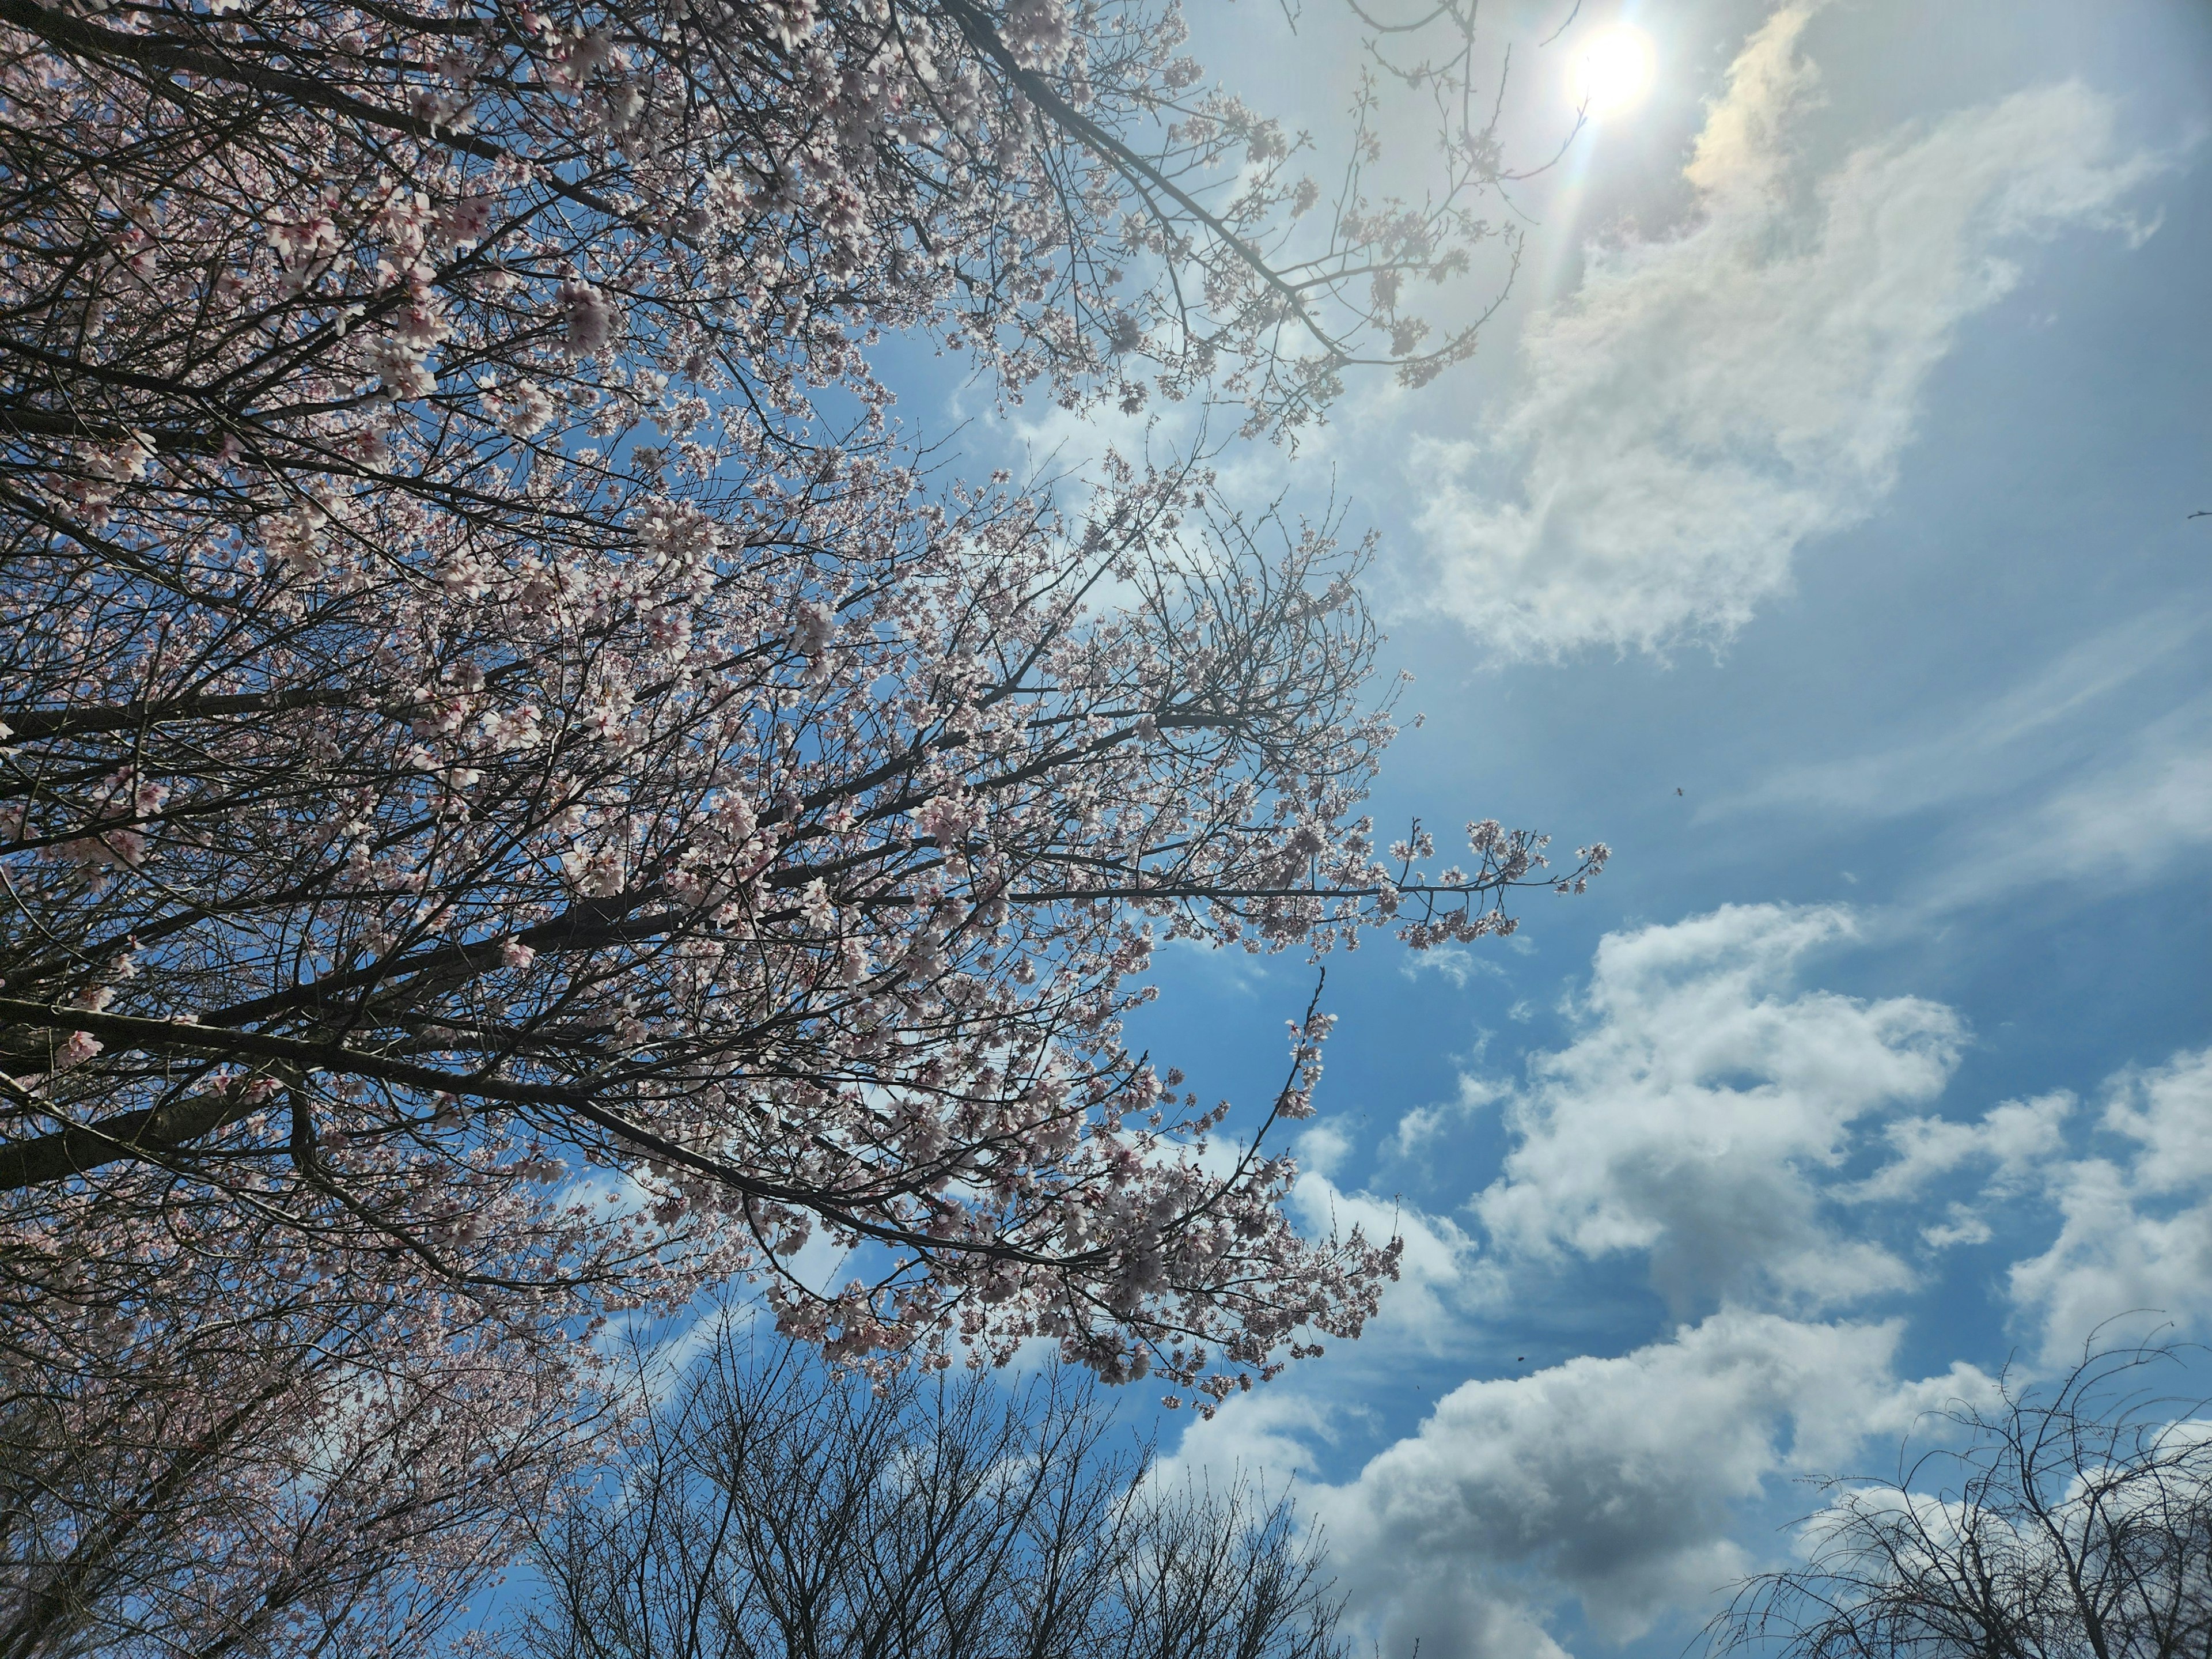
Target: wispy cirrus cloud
{"type": "Point", "coordinates": [2093, 771]}
{"type": "Point", "coordinates": [2128, 816]}
{"type": "Point", "coordinates": [2057, 720]}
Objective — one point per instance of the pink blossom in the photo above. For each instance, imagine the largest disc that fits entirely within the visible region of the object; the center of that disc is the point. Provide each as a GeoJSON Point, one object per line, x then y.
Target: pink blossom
{"type": "Point", "coordinates": [589, 316]}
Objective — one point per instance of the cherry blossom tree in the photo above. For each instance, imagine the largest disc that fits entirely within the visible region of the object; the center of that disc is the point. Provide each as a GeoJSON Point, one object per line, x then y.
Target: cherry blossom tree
{"type": "Point", "coordinates": [523, 795]}
{"type": "Point", "coordinates": [308, 1463]}
{"type": "Point", "coordinates": [490, 697]}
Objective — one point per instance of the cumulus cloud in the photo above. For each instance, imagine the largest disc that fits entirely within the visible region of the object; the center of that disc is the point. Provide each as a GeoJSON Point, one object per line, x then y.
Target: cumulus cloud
{"type": "Point", "coordinates": [1705, 1103]}
{"type": "Point", "coordinates": [1715, 1116]}
{"type": "Point", "coordinates": [1615, 1481]}
{"type": "Point", "coordinates": [1709, 402]}
{"type": "Point", "coordinates": [1322, 1147]}
{"type": "Point", "coordinates": [2135, 1229]}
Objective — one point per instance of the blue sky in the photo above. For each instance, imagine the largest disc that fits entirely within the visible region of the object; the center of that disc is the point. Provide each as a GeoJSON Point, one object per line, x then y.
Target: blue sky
{"type": "Point", "coordinates": [1814, 529]}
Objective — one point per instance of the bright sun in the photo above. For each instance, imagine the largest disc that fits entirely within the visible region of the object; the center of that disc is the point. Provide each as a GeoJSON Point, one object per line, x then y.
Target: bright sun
{"type": "Point", "coordinates": [1611, 70]}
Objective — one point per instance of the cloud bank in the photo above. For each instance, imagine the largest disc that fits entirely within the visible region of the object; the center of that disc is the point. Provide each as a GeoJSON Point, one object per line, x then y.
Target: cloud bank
{"type": "Point", "coordinates": [1708, 403]}
{"type": "Point", "coordinates": [1612, 1480]}
{"type": "Point", "coordinates": [1775, 1153]}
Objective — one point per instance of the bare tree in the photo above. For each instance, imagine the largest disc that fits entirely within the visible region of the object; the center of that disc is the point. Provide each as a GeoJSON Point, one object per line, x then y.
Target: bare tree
{"type": "Point", "coordinates": [2075, 1522]}
{"type": "Point", "coordinates": [775, 1511]}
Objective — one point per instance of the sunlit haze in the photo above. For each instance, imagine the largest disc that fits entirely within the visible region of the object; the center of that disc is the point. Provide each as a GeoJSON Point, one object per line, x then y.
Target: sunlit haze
{"type": "Point", "coordinates": [1611, 72]}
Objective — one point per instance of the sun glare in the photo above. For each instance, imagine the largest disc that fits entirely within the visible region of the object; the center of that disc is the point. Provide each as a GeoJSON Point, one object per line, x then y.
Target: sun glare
{"type": "Point", "coordinates": [1611, 70]}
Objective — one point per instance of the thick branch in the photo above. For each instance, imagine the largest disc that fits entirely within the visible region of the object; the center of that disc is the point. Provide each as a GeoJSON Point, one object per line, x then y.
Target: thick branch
{"type": "Point", "coordinates": [43, 723]}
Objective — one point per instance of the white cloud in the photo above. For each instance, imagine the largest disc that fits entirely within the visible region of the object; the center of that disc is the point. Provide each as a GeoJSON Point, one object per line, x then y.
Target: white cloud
{"type": "Point", "coordinates": [1699, 1110]}
{"type": "Point", "coordinates": [1321, 1148]}
{"type": "Point", "coordinates": [2167, 1112]}
{"type": "Point", "coordinates": [1965, 1226]}
{"type": "Point", "coordinates": [1268, 1435]}
{"type": "Point", "coordinates": [1615, 1481]}
{"type": "Point", "coordinates": [2016, 1138]}
{"type": "Point", "coordinates": [1708, 403]}
{"type": "Point", "coordinates": [1712, 1114]}
{"type": "Point", "coordinates": [1419, 1129]}
{"type": "Point", "coordinates": [1451, 961]}
{"type": "Point", "coordinates": [2136, 1231]}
